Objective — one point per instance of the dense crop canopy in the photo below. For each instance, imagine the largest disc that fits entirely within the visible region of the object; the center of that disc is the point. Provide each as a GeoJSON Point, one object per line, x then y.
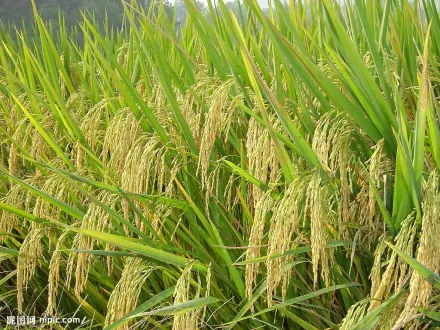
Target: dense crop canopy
{"type": "Point", "coordinates": [242, 169]}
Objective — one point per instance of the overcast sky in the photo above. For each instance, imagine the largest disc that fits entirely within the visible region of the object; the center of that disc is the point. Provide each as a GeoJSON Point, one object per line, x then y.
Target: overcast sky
{"type": "Point", "coordinates": [262, 3]}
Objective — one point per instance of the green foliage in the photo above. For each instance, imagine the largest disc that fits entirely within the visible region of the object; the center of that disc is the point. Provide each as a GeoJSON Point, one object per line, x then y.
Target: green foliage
{"type": "Point", "coordinates": [225, 167]}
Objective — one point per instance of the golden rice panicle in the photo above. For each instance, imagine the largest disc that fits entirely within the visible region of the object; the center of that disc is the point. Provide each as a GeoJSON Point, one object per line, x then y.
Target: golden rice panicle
{"type": "Point", "coordinates": [124, 296]}
{"type": "Point", "coordinates": [192, 109]}
{"type": "Point", "coordinates": [76, 104]}
{"type": "Point", "coordinates": [428, 251]}
{"type": "Point", "coordinates": [365, 208]}
{"type": "Point", "coordinates": [331, 143]}
{"type": "Point", "coordinates": [142, 89]}
{"type": "Point", "coordinates": [144, 168]}
{"type": "Point", "coordinates": [376, 270]}
{"type": "Point", "coordinates": [29, 138]}
{"type": "Point", "coordinates": [321, 144]}
{"type": "Point", "coordinates": [262, 158]}
{"type": "Point", "coordinates": [325, 66]}
{"type": "Point", "coordinates": [392, 312]}
{"type": "Point", "coordinates": [19, 137]}
{"type": "Point", "coordinates": [96, 218]}
{"type": "Point", "coordinates": [157, 101]}
{"type": "Point", "coordinates": [396, 271]}
{"type": "Point", "coordinates": [283, 225]}
{"type": "Point", "coordinates": [76, 73]}
{"type": "Point", "coordinates": [8, 220]}
{"type": "Point", "coordinates": [406, 243]}
{"type": "Point", "coordinates": [39, 148]}
{"type": "Point", "coordinates": [120, 136]}
{"type": "Point", "coordinates": [55, 186]}
{"type": "Point", "coordinates": [318, 206]}
{"type": "Point", "coordinates": [29, 257]}
{"type": "Point", "coordinates": [194, 317]}
{"type": "Point", "coordinates": [122, 57]}
{"type": "Point", "coordinates": [208, 289]}
{"type": "Point", "coordinates": [341, 136]}
{"type": "Point", "coordinates": [230, 193]}
{"type": "Point", "coordinates": [218, 120]}
{"type": "Point", "coordinates": [14, 161]}
{"type": "Point", "coordinates": [379, 165]}
{"type": "Point", "coordinates": [263, 207]}
{"type": "Point", "coordinates": [145, 172]}
{"type": "Point", "coordinates": [211, 185]}
{"type": "Point", "coordinates": [37, 180]}
{"type": "Point", "coordinates": [355, 314]}
{"type": "Point", "coordinates": [54, 275]}
{"type": "Point", "coordinates": [187, 320]}
{"type": "Point", "coordinates": [155, 214]}
{"type": "Point", "coordinates": [181, 291]}
{"type": "Point", "coordinates": [93, 128]}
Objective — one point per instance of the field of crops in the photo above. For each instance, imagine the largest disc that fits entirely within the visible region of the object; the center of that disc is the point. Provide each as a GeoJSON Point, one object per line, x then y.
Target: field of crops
{"type": "Point", "coordinates": [249, 170]}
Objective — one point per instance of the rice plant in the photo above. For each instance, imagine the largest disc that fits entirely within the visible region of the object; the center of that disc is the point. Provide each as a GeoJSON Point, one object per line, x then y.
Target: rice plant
{"type": "Point", "coordinates": [238, 170]}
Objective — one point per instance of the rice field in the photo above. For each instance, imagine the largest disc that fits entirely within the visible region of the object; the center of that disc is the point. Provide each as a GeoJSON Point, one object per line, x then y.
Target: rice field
{"type": "Point", "coordinates": [247, 170]}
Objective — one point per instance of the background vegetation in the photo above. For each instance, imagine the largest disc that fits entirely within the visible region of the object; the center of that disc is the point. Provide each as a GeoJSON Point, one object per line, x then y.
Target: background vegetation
{"type": "Point", "coordinates": [20, 11]}
{"type": "Point", "coordinates": [245, 171]}
{"type": "Point", "coordinates": [110, 12]}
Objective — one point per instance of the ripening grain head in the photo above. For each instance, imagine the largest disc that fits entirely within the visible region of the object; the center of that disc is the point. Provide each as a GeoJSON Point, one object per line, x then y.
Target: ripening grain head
{"type": "Point", "coordinates": [428, 249]}
{"type": "Point", "coordinates": [124, 297]}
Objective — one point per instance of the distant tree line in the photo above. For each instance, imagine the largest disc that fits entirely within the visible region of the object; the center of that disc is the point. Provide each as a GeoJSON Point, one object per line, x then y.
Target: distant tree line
{"type": "Point", "coordinates": [16, 12]}
{"type": "Point", "coordinates": [19, 12]}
